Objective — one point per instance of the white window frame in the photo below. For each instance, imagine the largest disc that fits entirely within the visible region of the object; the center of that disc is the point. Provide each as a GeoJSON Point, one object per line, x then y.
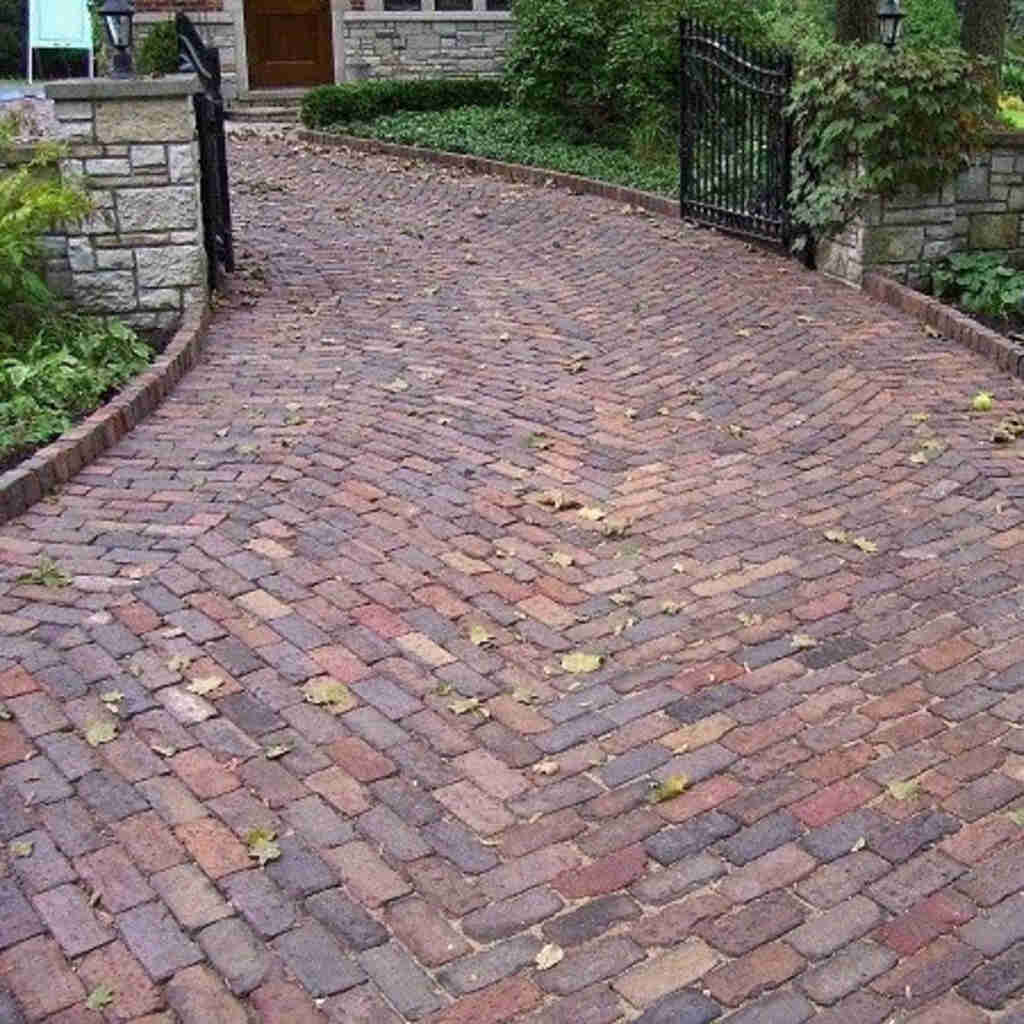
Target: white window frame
{"type": "Point", "coordinates": [376, 7]}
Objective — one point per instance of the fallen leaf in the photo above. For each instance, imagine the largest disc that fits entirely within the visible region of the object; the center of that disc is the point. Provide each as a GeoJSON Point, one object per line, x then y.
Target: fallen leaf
{"type": "Point", "coordinates": [336, 696]}
{"type": "Point", "coordinates": [100, 732]}
{"type": "Point", "coordinates": [621, 597]}
{"type": "Point", "coordinates": [631, 414]}
{"type": "Point", "coordinates": [902, 790]}
{"type": "Point", "coordinates": [546, 767]}
{"type": "Point", "coordinates": [276, 751]}
{"type": "Point", "coordinates": [627, 623]}
{"type": "Point", "coordinates": [802, 641]}
{"type": "Point", "coordinates": [736, 429]}
{"type": "Point", "coordinates": [480, 636]}
{"type": "Point", "coordinates": [668, 788]}
{"type": "Point", "coordinates": [5, 713]}
{"type": "Point", "coordinates": [749, 620]}
{"type": "Point", "coordinates": [865, 545]}
{"type": "Point", "coordinates": [398, 385]}
{"type": "Point", "coordinates": [558, 501]}
{"type": "Point", "coordinates": [524, 695]}
{"type": "Point", "coordinates": [204, 685]}
{"type": "Point", "coordinates": [1017, 816]}
{"type": "Point", "coordinates": [21, 848]}
{"type": "Point", "coordinates": [539, 441]}
{"type": "Point", "coordinates": [562, 559]}
{"type": "Point", "coordinates": [164, 749]}
{"type": "Point", "coordinates": [261, 846]}
{"type": "Point", "coordinates": [592, 512]}
{"type": "Point", "coordinates": [443, 689]}
{"type": "Point", "coordinates": [678, 567]}
{"type": "Point", "coordinates": [920, 417]}
{"type": "Point", "coordinates": [671, 607]}
{"type": "Point", "coordinates": [859, 845]}
{"type": "Point", "coordinates": [578, 662]}
{"type": "Point", "coordinates": [837, 536]}
{"type": "Point", "coordinates": [112, 697]}
{"type": "Point", "coordinates": [931, 332]}
{"type": "Point", "coordinates": [102, 995]}
{"type": "Point", "coordinates": [179, 663]}
{"type": "Point", "coordinates": [548, 956]}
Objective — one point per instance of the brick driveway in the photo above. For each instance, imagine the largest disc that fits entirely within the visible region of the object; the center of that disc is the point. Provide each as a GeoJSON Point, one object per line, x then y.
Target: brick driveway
{"type": "Point", "coordinates": [352, 487]}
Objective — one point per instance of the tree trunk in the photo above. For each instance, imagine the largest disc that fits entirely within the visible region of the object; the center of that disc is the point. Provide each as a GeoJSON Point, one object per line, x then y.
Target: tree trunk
{"type": "Point", "coordinates": [983, 31]}
{"type": "Point", "coordinates": [857, 21]}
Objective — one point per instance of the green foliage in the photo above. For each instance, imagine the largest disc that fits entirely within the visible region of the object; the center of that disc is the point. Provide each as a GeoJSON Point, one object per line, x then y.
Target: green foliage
{"type": "Point", "coordinates": [521, 136]}
{"type": "Point", "coordinates": [158, 51]}
{"type": "Point", "coordinates": [331, 105]}
{"type": "Point", "coordinates": [54, 366]}
{"type": "Point", "coordinates": [979, 282]}
{"type": "Point", "coordinates": [931, 24]}
{"type": "Point", "coordinates": [63, 371]}
{"type": "Point", "coordinates": [1013, 76]}
{"type": "Point", "coordinates": [869, 123]}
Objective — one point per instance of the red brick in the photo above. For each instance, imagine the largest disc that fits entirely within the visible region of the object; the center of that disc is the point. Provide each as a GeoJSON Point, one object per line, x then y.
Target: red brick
{"type": "Point", "coordinates": [702, 797]}
{"type": "Point", "coordinates": [340, 789]}
{"type": "Point", "coordinates": [15, 681]}
{"type": "Point", "coordinates": [14, 744]}
{"type": "Point", "coordinates": [289, 1004]}
{"type": "Point", "coordinates": [426, 932]}
{"type": "Point", "coordinates": [114, 965]}
{"type": "Point", "coordinates": [203, 774]}
{"type": "Point", "coordinates": [214, 848]}
{"type": "Point", "coordinates": [359, 759]}
{"type": "Point", "coordinates": [149, 842]}
{"type": "Point", "coordinates": [834, 801]}
{"type": "Point", "coordinates": [763, 968]}
{"type": "Point", "coordinates": [946, 654]}
{"type": "Point", "coordinates": [497, 1004]}
{"type": "Point", "coordinates": [39, 977]}
{"type": "Point", "coordinates": [615, 871]}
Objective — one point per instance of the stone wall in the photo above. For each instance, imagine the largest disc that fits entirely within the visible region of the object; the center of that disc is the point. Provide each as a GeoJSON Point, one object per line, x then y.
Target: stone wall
{"type": "Point", "coordinates": [414, 45]}
{"type": "Point", "coordinates": [981, 211]}
{"type": "Point", "coordinates": [131, 144]}
{"type": "Point", "coordinates": [215, 28]}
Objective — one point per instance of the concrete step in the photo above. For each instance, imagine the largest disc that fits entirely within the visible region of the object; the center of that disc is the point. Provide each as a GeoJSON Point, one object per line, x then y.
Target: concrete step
{"type": "Point", "coordinates": [247, 112]}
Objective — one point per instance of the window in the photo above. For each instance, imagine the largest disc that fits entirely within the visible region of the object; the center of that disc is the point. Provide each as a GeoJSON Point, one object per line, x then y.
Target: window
{"type": "Point", "coordinates": [401, 5]}
{"type": "Point", "coordinates": [453, 5]}
{"type": "Point", "coordinates": [498, 5]}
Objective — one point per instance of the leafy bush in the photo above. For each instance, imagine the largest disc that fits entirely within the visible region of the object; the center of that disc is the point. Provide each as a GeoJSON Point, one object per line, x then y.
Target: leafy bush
{"type": "Point", "coordinates": [1013, 77]}
{"type": "Point", "coordinates": [54, 365]}
{"type": "Point", "coordinates": [158, 51]}
{"type": "Point", "coordinates": [521, 136]}
{"type": "Point", "coordinates": [869, 123]}
{"type": "Point", "coordinates": [980, 282]}
{"type": "Point", "coordinates": [931, 23]}
{"type": "Point", "coordinates": [363, 101]}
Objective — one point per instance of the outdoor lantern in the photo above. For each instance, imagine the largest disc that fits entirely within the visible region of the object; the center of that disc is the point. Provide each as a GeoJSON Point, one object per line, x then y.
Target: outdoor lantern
{"type": "Point", "coordinates": [889, 18]}
{"type": "Point", "coordinates": [117, 18]}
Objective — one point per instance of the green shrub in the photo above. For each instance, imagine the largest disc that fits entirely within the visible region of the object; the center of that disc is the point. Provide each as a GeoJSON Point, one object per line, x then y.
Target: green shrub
{"type": "Point", "coordinates": [979, 282]}
{"type": "Point", "coordinates": [931, 23]}
{"type": "Point", "coordinates": [158, 51]}
{"type": "Point", "coordinates": [363, 101]}
{"type": "Point", "coordinates": [521, 136]}
{"type": "Point", "coordinates": [1013, 77]}
{"type": "Point", "coordinates": [869, 122]}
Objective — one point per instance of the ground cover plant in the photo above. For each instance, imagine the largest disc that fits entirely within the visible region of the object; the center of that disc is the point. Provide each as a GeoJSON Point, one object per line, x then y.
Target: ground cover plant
{"type": "Point", "coordinates": [55, 365]}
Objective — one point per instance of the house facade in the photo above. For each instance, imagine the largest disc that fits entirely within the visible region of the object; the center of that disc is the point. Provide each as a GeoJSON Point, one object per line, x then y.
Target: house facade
{"type": "Point", "coordinates": [284, 44]}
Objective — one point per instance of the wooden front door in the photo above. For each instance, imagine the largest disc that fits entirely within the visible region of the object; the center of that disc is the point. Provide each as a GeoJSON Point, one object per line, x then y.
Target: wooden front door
{"type": "Point", "coordinates": [289, 43]}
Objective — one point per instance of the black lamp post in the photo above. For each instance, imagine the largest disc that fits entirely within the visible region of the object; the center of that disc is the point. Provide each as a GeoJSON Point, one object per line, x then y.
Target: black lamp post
{"type": "Point", "coordinates": [117, 19]}
{"type": "Point", "coordinates": [890, 18]}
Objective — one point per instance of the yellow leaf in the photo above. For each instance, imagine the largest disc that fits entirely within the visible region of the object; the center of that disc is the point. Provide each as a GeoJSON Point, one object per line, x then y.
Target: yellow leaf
{"type": "Point", "coordinates": [5, 713]}
{"type": "Point", "coordinates": [204, 685]}
{"type": "Point", "coordinates": [621, 597]}
{"type": "Point", "coordinates": [398, 385]}
{"type": "Point", "coordinates": [837, 536]}
{"type": "Point", "coordinates": [479, 636]}
{"type": "Point", "coordinates": [549, 956]}
{"type": "Point", "coordinates": [21, 848]}
{"type": "Point", "coordinates": [164, 749]}
{"type": "Point", "coordinates": [276, 751]}
{"type": "Point", "coordinates": [100, 732]}
{"type": "Point", "coordinates": [678, 567]}
{"type": "Point", "coordinates": [865, 545]}
{"type": "Point", "coordinates": [562, 559]}
{"type": "Point", "coordinates": [902, 790]}
{"type": "Point", "coordinates": [337, 697]}
{"type": "Point", "coordinates": [1017, 816]}
{"type": "Point", "coordinates": [736, 429]}
{"type": "Point", "coordinates": [558, 501]}
{"type": "Point", "coordinates": [668, 788]}
{"type": "Point", "coordinates": [112, 697]}
{"type": "Point", "coordinates": [671, 607]}
{"type": "Point", "coordinates": [631, 414]}
{"type": "Point", "coordinates": [802, 641]}
{"type": "Point", "coordinates": [578, 662]}
{"type": "Point", "coordinates": [102, 995]}
{"type": "Point", "coordinates": [546, 767]}
{"type": "Point", "coordinates": [261, 845]}
{"type": "Point", "coordinates": [859, 845]}
{"type": "Point", "coordinates": [592, 512]}
{"type": "Point", "coordinates": [179, 663]}
{"type": "Point", "coordinates": [524, 696]}
{"type": "Point", "coordinates": [464, 705]}
{"type": "Point", "coordinates": [749, 620]}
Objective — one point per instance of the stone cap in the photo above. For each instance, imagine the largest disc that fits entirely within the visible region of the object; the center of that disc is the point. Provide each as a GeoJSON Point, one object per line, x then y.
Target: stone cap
{"type": "Point", "coordinates": [123, 88]}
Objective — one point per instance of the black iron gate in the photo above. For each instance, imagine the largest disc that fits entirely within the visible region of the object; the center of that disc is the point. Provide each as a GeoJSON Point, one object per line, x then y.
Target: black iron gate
{"type": "Point", "coordinates": [735, 144]}
{"type": "Point", "coordinates": [204, 60]}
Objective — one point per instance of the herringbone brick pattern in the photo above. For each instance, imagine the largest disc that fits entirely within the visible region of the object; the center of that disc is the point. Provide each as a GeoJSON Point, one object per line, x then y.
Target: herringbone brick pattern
{"type": "Point", "coordinates": [449, 431]}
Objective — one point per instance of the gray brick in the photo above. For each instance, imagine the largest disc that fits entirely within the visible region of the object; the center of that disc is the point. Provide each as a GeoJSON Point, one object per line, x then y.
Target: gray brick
{"type": "Point", "coordinates": [685, 840]}
{"type": "Point", "coordinates": [159, 944]}
{"type": "Point", "coordinates": [74, 829]}
{"type": "Point", "coordinates": [13, 819]}
{"type": "Point", "coordinates": [19, 920]}
{"type": "Point", "coordinates": [396, 838]}
{"type": "Point", "coordinates": [372, 726]}
{"type": "Point", "coordinates": [596, 1005]}
{"type": "Point", "coordinates": [260, 901]}
{"type": "Point", "coordinates": [864, 1007]}
{"type": "Point", "coordinates": [707, 702]}
{"type": "Point", "coordinates": [824, 934]}
{"type": "Point", "coordinates": [502, 918]}
{"type": "Point", "coordinates": [69, 917]}
{"type": "Point", "coordinates": [238, 955]}
{"type": "Point", "coordinates": [996, 929]}
{"type": "Point", "coordinates": [249, 714]}
{"type": "Point", "coordinates": [45, 866]}
{"type": "Point", "coordinates": [573, 732]}
{"type": "Point", "coordinates": [347, 919]}
{"type": "Point", "coordinates": [190, 895]}
{"type": "Point", "coordinates": [591, 920]}
{"type": "Point", "coordinates": [10, 1012]}
{"type": "Point", "coordinates": [992, 984]}
{"type": "Point", "coordinates": [318, 961]}
{"type": "Point", "coordinates": [765, 835]}
{"type": "Point", "coordinates": [483, 969]}
{"type": "Point", "coordinates": [663, 886]}
{"type": "Point", "coordinates": [850, 969]}
{"type": "Point", "coordinates": [564, 793]}
{"type": "Point", "coordinates": [913, 881]}
{"type": "Point", "coordinates": [401, 980]}
{"type": "Point", "coordinates": [636, 762]}
{"type": "Point", "coordinates": [37, 781]}
{"type": "Point", "coordinates": [787, 1008]}
{"type": "Point", "coordinates": [460, 846]}
{"type": "Point", "coordinates": [316, 821]}
{"type": "Point", "coordinates": [110, 797]}
{"type": "Point", "coordinates": [590, 964]}
{"type": "Point", "coordinates": [224, 739]}
{"type": "Point", "coordinates": [390, 700]}
{"type": "Point", "coordinates": [901, 840]}
{"type": "Point", "coordinates": [298, 870]}
{"type": "Point", "coordinates": [839, 837]}
{"type": "Point", "coordinates": [681, 1008]}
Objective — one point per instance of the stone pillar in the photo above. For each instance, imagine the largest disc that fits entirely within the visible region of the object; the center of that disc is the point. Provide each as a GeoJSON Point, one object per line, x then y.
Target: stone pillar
{"type": "Point", "coordinates": [131, 145]}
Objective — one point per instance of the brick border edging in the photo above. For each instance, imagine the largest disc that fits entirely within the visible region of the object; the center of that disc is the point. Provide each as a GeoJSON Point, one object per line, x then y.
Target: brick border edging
{"type": "Point", "coordinates": [516, 172]}
{"type": "Point", "coordinates": [1007, 354]}
{"type": "Point", "coordinates": [59, 461]}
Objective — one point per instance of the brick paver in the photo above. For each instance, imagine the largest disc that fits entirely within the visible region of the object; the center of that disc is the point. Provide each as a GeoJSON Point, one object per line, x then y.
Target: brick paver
{"type": "Point", "coordinates": [448, 431]}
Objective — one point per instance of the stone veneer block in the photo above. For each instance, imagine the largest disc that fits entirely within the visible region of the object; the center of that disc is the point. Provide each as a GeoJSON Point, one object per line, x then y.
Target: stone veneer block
{"type": "Point", "coordinates": [157, 208]}
{"type": "Point", "coordinates": [162, 120]}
